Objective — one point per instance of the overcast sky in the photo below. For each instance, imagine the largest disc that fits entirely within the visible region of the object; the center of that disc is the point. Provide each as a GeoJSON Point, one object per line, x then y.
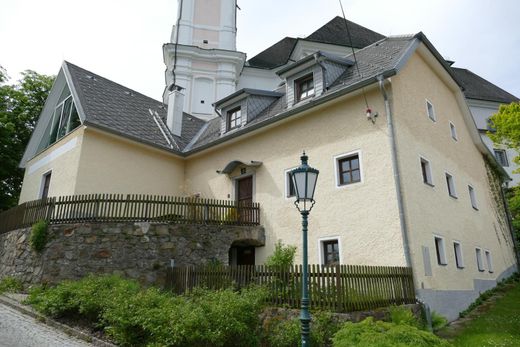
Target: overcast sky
{"type": "Point", "coordinates": [122, 39]}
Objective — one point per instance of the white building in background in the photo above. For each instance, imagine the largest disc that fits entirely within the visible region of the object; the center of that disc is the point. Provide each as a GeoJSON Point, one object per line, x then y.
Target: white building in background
{"type": "Point", "coordinates": [484, 99]}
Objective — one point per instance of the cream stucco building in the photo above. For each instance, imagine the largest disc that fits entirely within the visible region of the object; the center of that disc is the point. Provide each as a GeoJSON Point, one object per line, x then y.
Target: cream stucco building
{"type": "Point", "coordinates": [411, 185]}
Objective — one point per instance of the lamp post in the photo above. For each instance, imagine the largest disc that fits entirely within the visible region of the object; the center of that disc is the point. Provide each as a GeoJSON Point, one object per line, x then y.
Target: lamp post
{"type": "Point", "coordinates": [304, 180]}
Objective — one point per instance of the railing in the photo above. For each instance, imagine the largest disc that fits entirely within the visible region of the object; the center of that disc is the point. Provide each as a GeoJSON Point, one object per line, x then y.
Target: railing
{"type": "Point", "coordinates": [341, 288]}
{"type": "Point", "coordinates": [129, 208]}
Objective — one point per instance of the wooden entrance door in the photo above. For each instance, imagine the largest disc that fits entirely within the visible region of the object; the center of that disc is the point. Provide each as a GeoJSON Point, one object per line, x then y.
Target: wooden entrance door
{"type": "Point", "coordinates": [245, 198]}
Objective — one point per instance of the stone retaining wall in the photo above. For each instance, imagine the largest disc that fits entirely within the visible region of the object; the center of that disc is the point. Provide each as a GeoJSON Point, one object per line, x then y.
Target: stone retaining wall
{"type": "Point", "coordinates": [140, 251]}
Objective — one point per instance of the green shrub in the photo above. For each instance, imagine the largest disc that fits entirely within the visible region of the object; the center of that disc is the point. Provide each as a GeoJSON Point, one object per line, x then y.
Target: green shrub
{"type": "Point", "coordinates": [138, 317]}
{"type": "Point", "coordinates": [438, 321]}
{"type": "Point", "coordinates": [370, 333]}
{"type": "Point", "coordinates": [38, 238]}
{"type": "Point", "coordinates": [10, 284]}
{"type": "Point", "coordinates": [282, 256]}
{"type": "Point", "coordinates": [287, 333]}
{"type": "Point", "coordinates": [88, 297]}
{"type": "Point", "coordinates": [403, 315]}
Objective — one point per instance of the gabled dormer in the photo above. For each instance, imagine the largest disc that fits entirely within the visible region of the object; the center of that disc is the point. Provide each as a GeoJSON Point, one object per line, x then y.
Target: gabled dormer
{"type": "Point", "coordinates": [243, 106]}
{"type": "Point", "coordinates": [311, 76]}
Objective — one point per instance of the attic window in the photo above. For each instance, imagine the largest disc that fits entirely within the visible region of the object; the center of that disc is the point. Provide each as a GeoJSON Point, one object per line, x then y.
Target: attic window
{"type": "Point", "coordinates": [304, 87]}
{"type": "Point", "coordinates": [64, 120]}
{"type": "Point", "coordinates": [234, 118]}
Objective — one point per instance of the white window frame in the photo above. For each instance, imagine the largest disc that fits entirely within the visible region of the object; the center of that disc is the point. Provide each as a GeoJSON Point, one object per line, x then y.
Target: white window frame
{"type": "Point", "coordinates": [429, 173]}
{"type": "Point", "coordinates": [472, 197]}
{"type": "Point", "coordinates": [453, 131]}
{"type": "Point", "coordinates": [338, 157]}
{"type": "Point", "coordinates": [286, 184]}
{"type": "Point", "coordinates": [453, 187]}
{"type": "Point", "coordinates": [321, 240]}
{"type": "Point", "coordinates": [489, 260]}
{"type": "Point", "coordinates": [42, 183]}
{"type": "Point", "coordinates": [495, 150]}
{"type": "Point", "coordinates": [459, 257]}
{"type": "Point", "coordinates": [441, 251]}
{"type": "Point", "coordinates": [431, 117]}
{"type": "Point", "coordinates": [480, 259]}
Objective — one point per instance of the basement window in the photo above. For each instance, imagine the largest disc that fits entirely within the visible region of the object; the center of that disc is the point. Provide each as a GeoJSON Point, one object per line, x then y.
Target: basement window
{"type": "Point", "coordinates": [46, 182]}
{"type": "Point", "coordinates": [304, 87]}
{"type": "Point", "coordinates": [330, 252]}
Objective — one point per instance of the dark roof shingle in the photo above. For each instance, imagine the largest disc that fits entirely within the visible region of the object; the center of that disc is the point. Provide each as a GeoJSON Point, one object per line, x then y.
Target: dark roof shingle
{"type": "Point", "coordinates": [335, 32]}
{"type": "Point", "coordinates": [274, 56]}
{"type": "Point", "coordinates": [121, 110]}
{"type": "Point", "coordinates": [476, 87]}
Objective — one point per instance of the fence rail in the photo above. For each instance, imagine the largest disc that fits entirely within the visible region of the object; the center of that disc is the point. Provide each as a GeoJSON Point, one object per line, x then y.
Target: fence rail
{"type": "Point", "coordinates": [129, 208]}
{"type": "Point", "coordinates": [341, 288]}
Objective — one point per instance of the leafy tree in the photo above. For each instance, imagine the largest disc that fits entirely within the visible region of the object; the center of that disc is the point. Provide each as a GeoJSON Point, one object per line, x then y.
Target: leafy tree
{"type": "Point", "coordinates": [506, 123]}
{"type": "Point", "coordinates": [20, 106]}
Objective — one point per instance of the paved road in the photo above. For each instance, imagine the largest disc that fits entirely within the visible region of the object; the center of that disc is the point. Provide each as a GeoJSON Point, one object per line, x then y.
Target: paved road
{"type": "Point", "coordinates": [19, 330]}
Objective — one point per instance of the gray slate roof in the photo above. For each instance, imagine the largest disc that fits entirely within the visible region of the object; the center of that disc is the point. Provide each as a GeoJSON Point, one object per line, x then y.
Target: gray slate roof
{"type": "Point", "coordinates": [115, 108]}
{"type": "Point", "coordinates": [376, 59]}
{"type": "Point", "coordinates": [334, 32]}
{"type": "Point", "coordinates": [476, 87]}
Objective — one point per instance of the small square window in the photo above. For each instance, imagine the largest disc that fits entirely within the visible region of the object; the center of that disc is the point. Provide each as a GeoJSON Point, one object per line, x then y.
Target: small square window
{"type": "Point", "coordinates": [453, 132]}
{"type": "Point", "coordinates": [234, 118]}
{"type": "Point", "coordinates": [330, 249]}
{"type": "Point", "coordinates": [304, 87]}
{"type": "Point", "coordinates": [480, 262]}
{"type": "Point", "coordinates": [289, 184]}
{"type": "Point", "coordinates": [431, 111]}
{"type": "Point", "coordinates": [489, 261]}
{"type": "Point", "coordinates": [46, 182]}
{"type": "Point", "coordinates": [349, 170]}
{"type": "Point", "coordinates": [426, 172]}
{"type": "Point", "coordinates": [472, 197]}
{"type": "Point", "coordinates": [458, 255]}
{"type": "Point", "coordinates": [501, 156]}
{"type": "Point", "coordinates": [450, 183]}
{"type": "Point", "coordinates": [440, 251]}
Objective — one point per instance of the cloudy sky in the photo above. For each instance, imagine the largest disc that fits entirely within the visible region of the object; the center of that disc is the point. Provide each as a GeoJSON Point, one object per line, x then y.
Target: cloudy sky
{"type": "Point", "coordinates": [122, 39]}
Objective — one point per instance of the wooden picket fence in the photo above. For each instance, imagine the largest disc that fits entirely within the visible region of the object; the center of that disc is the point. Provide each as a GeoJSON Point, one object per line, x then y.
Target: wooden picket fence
{"type": "Point", "coordinates": [129, 208]}
{"type": "Point", "coordinates": [340, 288]}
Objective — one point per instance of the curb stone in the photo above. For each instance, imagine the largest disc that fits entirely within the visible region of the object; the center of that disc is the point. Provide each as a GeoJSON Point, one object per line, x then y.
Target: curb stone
{"type": "Point", "coordinates": [29, 311]}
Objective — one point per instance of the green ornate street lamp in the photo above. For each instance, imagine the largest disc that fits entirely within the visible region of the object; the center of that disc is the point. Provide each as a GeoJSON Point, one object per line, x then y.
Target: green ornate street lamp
{"type": "Point", "coordinates": [304, 180]}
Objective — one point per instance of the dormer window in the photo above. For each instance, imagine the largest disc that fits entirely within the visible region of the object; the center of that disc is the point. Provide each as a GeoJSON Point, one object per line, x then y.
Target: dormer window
{"type": "Point", "coordinates": [304, 87]}
{"type": "Point", "coordinates": [234, 118]}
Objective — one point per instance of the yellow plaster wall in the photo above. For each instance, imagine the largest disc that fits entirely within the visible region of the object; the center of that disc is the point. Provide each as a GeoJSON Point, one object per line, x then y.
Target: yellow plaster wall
{"type": "Point", "coordinates": [430, 210]}
{"type": "Point", "coordinates": [110, 164]}
{"type": "Point", "coordinates": [363, 215]}
{"type": "Point", "coordinates": [63, 167]}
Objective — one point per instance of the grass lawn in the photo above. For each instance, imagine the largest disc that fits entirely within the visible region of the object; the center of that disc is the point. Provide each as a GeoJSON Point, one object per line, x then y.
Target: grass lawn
{"type": "Point", "coordinates": [495, 323]}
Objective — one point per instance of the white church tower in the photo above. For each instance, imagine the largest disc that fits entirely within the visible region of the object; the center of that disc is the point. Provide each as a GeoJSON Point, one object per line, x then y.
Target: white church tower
{"type": "Point", "coordinates": [201, 58]}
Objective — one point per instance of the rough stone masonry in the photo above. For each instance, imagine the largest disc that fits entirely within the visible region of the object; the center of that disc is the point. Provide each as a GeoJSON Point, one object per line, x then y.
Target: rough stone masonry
{"type": "Point", "coordinates": [141, 251]}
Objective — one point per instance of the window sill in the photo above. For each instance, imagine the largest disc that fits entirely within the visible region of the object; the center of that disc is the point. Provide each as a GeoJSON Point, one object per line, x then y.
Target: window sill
{"type": "Point", "coordinates": [475, 208]}
{"type": "Point", "coordinates": [453, 196]}
{"type": "Point", "coordinates": [429, 184]}
{"type": "Point", "coordinates": [460, 267]}
{"type": "Point", "coordinates": [348, 184]}
{"type": "Point", "coordinates": [481, 270]}
{"type": "Point", "coordinates": [442, 264]}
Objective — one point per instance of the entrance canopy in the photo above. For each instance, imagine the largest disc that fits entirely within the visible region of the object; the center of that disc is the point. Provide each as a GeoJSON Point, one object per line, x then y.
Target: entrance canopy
{"type": "Point", "coordinates": [232, 165]}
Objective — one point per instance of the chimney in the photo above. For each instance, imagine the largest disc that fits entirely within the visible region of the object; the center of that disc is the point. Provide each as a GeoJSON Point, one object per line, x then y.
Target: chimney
{"type": "Point", "coordinates": [175, 108]}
